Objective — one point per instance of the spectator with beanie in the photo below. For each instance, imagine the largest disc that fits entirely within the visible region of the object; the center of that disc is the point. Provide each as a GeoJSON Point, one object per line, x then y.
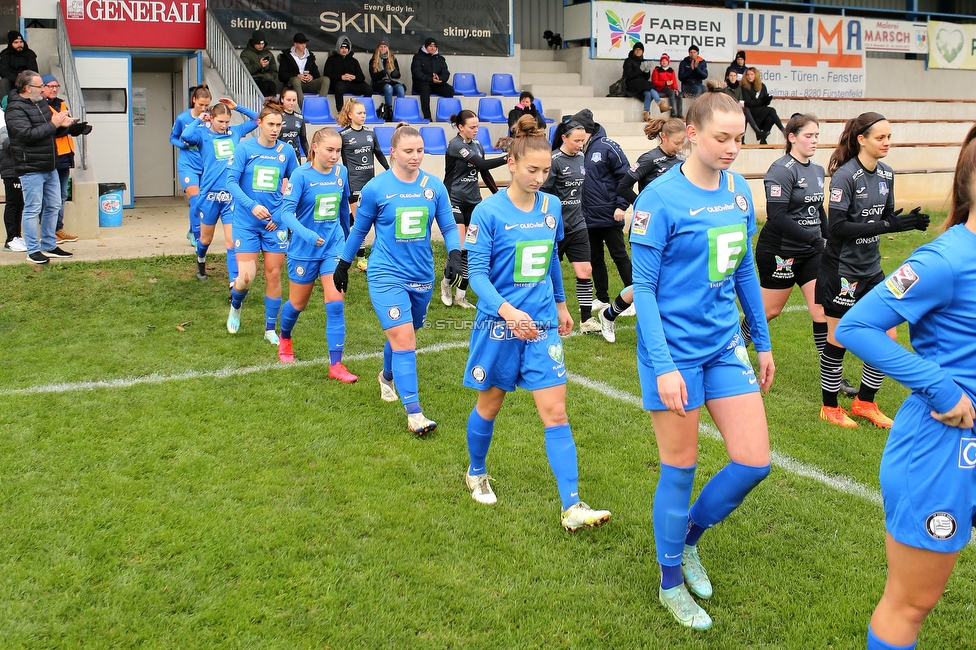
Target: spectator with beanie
{"type": "Point", "coordinates": [345, 74]}
{"type": "Point", "coordinates": [525, 106]}
{"type": "Point", "coordinates": [692, 72]}
{"type": "Point", "coordinates": [297, 69]}
{"type": "Point", "coordinates": [33, 128]}
{"type": "Point", "coordinates": [66, 150]}
{"type": "Point", "coordinates": [666, 84]}
{"type": "Point", "coordinates": [14, 59]}
{"type": "Point", "coordinates": [739, 66]}
{"type": "Point", "coordinates": [430, 75]}
{"type": "Point", "coordinates": [639, 81]}
{"type": "Point", "coordinates": [261, 64]}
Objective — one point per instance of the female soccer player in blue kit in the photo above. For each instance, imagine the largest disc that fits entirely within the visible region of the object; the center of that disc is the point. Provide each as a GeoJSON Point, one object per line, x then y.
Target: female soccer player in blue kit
{"type": "Point", "coordinates": [216, 147]}
{"type": "Point", "coordinates": [256, 179]}
{"type": "Point", "coordinates": [514, 268]}
{"type": "Point", "coordinates": [692, 258]}
{"type": "Point", "coordinates": [316, 208]}
{"type": "Point", "coordinates": [189, 165]}
{"type": "Point", "coordinates": [928, 471]}
{"type": "Point", "coordinates": [402, 204]}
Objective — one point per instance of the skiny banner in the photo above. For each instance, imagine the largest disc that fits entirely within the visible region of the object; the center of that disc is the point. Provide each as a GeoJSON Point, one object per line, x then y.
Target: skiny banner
{"type": "Point", "coordinates": [804, 55]}
{"type": "Point", "coordinates": [469, 27]}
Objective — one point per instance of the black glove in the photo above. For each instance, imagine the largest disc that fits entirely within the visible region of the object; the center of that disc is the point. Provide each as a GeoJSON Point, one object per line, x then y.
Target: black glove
{"type": "Point", "coordinates": [452, 272]}
{"type": "Point", "coordinates": [340, 277]}
{"type": "Point", "coordinates": [922, 219]}
{"type": "Point", "coordinates": [899, 222]}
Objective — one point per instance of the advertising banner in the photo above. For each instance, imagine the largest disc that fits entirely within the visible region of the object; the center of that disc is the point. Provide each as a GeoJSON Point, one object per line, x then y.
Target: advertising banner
{"type": "Point", "coordinates": [663, 28]}
{"type": "Point", "coordinates": [460, 26]}
{"type": "Point", "coordinates": [895, 36]}
{"type": "Point", "coordinates": [168, 24]}
{"type": "Point", "coordinates": [952, 46]}
{"type": "Point", "coordinates": [804, 55]}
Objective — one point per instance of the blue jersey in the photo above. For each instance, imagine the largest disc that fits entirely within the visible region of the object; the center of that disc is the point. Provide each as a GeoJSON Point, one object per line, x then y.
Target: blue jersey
{"type": "Point", "coordinates": [692, 256]}
{"type": "Point", "coordinates": [516, 250]}
{"type": "Point", "coordinates": [316, 205]}
{"type": "Point", "coordinates": [402, 214]}
{"type": "Point", "coordinates": [189, 155]}
{"type": "Point", "coordinates": [255, 176]}
{"type": "Point", "coordinates": [217, 150]}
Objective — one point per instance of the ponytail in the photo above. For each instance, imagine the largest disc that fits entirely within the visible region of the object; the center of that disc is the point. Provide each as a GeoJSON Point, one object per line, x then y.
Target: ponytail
{"type": "Point", "coordinates": [848, 147]}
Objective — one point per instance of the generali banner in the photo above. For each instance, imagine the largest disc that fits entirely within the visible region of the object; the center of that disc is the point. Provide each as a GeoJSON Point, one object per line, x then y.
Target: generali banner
{"type": "Point", "coordinates": [166, 24]}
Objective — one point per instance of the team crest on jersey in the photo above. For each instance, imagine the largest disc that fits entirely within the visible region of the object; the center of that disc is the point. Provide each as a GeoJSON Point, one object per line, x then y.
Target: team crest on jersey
{"type": "Point", "coordinates": [641, 219]}
{"type": "Point", "coordinates": [775, 191]}
{"type": "Point", "coordinates": [550, 222]}
{"type": "Point", "coordinates": [478, 374]}
{"type": "Point", "coordinates": [186, 179]}
{"type": "Point", "coordinates": [742, 202]}
{"type": "Point", "coordinates": [429, 194]}
{"type": "Point", "coordinates": [281, 157]}
{"type": "Point", "coordinates": [901, 281]}
{"type": "Point", "coordinates": [940, 525]}
{"type": "Point", "coordinates": [369, 138]}
{"type": "Point", "coordinates": [883, 188]}
{"type": "Point", "coordinates": [339, 182]}
{"type": "Point", "coordinates": [836, 195]}
{"type": "Point", "coordinates": [282, 235]}
{"type": "Point", "coordinates": [300, 271]}
{"type": "Point", "coordinates": [394, 313]}
{"type": "Point", "coordinates": [847, 288]}
{"type": "Point", "coordinates": [237, 243]}
{"type": "Point", "coordinates": [820, 182]}
{"type": "Point", "coordinates": [471, 237]}
{"type": "Point", "coordinates": [556, 352]}
{"type": "Point", "coordinates": [596, 157]}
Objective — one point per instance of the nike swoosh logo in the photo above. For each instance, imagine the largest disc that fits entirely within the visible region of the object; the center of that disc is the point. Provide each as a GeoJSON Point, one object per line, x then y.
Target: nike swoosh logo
{"type": "Point", "coordinates": [560, 374]}
{"type": "Point", "coordinates": [574, 494]}
{"type": "Point", "coordinates": [672, 557]}
{"type": "Point", "coordinates": [390, 196]}
{"type": "Point", "coordinates": [406, 397]}
{"type": "Point", "coordinates": [752, 380]}
{"type": "Point", "coordinates": [690, 211]}
{"type": "Point", "coordinates": [510, 226]}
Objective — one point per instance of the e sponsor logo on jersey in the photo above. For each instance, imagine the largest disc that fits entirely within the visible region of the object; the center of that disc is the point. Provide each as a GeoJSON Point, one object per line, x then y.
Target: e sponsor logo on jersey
{"type": "Point", "coordinates": [471, 237]}
{"type": "Point", "coordinates": [411, 223]}
{"type": "Point", "coordinates": [265, 179]}
{"type": "Point", "coordinates": [726, 247]}
{"type": "Point", "coordinates": [967, 453]}
{"type": "Point", "coordinates": [836, 195]}
{"type": "Point", "coordinates": [940, 525]}
{"type": "Point", "coordinates": [641, 219]}
{"type": "Point", "coordinates": [775, 191]}
{"type": "Point", "coordinates": [478, 374]}
{"type": "Point", "coordinates": [223, 148]}
{"type": "Point", "coordinates": [326, 207]}
{"type": "Point", "coordinates": [532, 259]}
{"type": "Point", "coordinates": [901, 281]}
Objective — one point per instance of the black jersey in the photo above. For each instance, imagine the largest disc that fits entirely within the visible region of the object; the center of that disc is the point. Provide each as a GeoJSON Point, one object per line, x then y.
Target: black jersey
{"type": "Point", "coordinates": [566, 181]}
{"type": "Point", "coordinates": [861, 197]}
{"type": "Point", "coordinates": [651, 165]}
{"type": "Point", "coordinates": [794, 205]}
{"type": "Point", "coordinates": [460, 175]}
{"type": "Point", "coordinates": [357, 156]}
{"type": "Point", "coordinates": [293, 132]}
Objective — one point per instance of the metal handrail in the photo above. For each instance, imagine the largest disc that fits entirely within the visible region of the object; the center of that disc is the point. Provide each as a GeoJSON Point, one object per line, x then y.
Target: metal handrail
{"type": "Point", "coordinates": [71, 85]}
{"type": "Point", "coordinates": [227, 62]}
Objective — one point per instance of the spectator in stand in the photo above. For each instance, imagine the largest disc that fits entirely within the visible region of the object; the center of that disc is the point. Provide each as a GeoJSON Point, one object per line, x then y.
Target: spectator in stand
{"type": "Point", "coordinates": [66, 150]}
{"type": "Point", "coordinates": [32, 129]}
{"type": "Point", "coordinates": [739, 66]}
{"type": "Point", "coordinates": [14, 59]}
{"type": "Point", "coordinates": [430, 75]}
{"type": "Point", "coordinates": [665, 83]}
{"type": "Point", "coordinates": [297, 69]}
{"type": "Point", "coordinates": [525, 106]}
{"type": "Point", "coordinates": [692, 72]}
{"type": "Point", "coordinates": [13, 207]}
{"type": "Point", "coordinates": [385, 72]}
{"type": "Point", "coordinates": [345, 73]}
{"type": "Point", "coordinates": [639, 82]}
{"type": "Point", "coordinates": [757, 100]}
{"type": "Point", "coordinates": [733, 88]}
{"type": "Point", "coordinates": [261, 64]}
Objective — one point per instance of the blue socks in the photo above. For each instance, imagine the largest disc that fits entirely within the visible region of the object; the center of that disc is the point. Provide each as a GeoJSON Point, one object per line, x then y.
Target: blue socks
{"type": "Point", "coordinates": [479, 438]}
{"type": "Point", "coordinates": [721, 495]}
{"type": "Point", "coordinates": [874, 643]}
{"type": "Point", "coordinates": [237, 298]}
{"type": "Point", "coordinates": [671, 519]}
{"type": "Point", "coordinates": [405, 375]}
{"type": "Point", "coordinates": [202, 250]}
{"type": "Point", "coordinates": [271, 308]}
{"type": "Point", "coordinates": [561, 452]}
{"type": "Point", "coordinates": [387, 362]}
{"type": "Point", "coordinates": [335, 329]}
{"type": "Point", "coordinates": [231, 264]}
{"type": "Point", "coordinates": [195, 216]}
{"type": "Point", "coordinates": [289, 316]}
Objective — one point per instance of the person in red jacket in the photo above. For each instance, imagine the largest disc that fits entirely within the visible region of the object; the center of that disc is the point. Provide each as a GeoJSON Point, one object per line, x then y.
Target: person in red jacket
{"type": "Point", "coordinates": [666, 84]}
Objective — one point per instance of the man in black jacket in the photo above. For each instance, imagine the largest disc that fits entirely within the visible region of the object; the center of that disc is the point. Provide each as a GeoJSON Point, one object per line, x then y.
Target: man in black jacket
{"type": "Point", "coordinates": [345, 74]}
{"type": "Point", "coordinates": [297, 68]}
{"type": "Point", "coordinates": [33, 128]}
{"type": "Point", "coordinates": [14, 59]}
{"type": "Point", "coordinates": [430, 74]}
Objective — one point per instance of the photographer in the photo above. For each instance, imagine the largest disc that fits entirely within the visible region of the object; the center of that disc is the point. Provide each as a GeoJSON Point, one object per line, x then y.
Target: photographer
{"type": "Point", "coordinates": [261, 64]}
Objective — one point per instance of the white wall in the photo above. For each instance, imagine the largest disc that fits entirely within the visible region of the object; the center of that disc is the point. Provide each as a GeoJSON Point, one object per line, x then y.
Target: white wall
{"type": "Point", "coordinates": [901, 79]}
{"type": "Point", "coordinates": [108, 144]}
{"type": "Point", "coordinates": [38, 9]}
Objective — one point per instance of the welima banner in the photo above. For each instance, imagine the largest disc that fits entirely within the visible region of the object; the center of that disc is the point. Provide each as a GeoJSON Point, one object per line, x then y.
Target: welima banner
{"type": "Point", "coordinates": [895, 36]}
{"type": "Point", "coordinates": [952, 46]}
{"type": "Point", "coordinates": [663, 28]}
{"type": "Point", "coordinates": [460, 26]}
{"type": "Point", "coordinates": [804, 55]}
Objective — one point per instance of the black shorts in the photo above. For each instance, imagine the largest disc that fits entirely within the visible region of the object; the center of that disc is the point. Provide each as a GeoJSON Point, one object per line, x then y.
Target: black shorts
{"type": "Point", "coordinates": [576, 246]}
{"type": "Point", "coordinates": [462, 214]}
{"type": "Point", "coordinates": [354, 197]}
{"type": "Point", "coordinates": [838, 294]}
{"type": "Point", "coordinates": [781, 272]}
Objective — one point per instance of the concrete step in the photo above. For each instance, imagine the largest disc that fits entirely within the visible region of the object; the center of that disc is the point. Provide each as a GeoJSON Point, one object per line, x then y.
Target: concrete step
{"type": "Point", "coordinates": [550, 78]}
{"type": "Point", "coordinates": [538, 55]}
{"type": "Point", "coordinates": [889, 108]}
{"type": "Point", "coordinates": [547, 90]}
{"type": "Point", "coordinates": [557, 67]}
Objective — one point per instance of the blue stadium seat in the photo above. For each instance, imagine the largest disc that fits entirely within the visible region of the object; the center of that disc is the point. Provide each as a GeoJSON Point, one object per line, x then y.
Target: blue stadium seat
{"type": "Point", "coordinates": [538, 107]}
{"type": "Point", "coordinates": [371, 111]}
{"type": "Point", "coordinates": [446, 107]}
{"type": "Point", "coordinates": [552, 133]}
{"type": "Point", "coordinates": [384, 137]}
{"type": "Point", "coordinates": [435, 142]}
{"type": "Point", "coordinates": [490, 110]}
{"type": "Point", "coordinates": [317, 111]}
{"type": "Point", "coordinates": [466, 85]}
{"type": "Point", "coordinates": [484, 137]}
{"type": "Point", "coordinates": [407, 109]}
{"type": "Point", "coordinates": [504, 85]}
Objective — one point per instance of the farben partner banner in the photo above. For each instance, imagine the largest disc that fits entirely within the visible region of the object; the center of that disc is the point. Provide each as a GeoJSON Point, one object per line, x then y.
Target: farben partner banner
{"type": "Point", "coordinates": [470, 27]}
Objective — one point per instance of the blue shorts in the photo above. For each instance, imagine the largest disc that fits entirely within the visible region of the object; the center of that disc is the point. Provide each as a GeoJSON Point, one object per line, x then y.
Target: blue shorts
{"type": "Point", "coordinates": [727, 373]}
{"type": "Point", "coordinates": [928, 480]}
{"type": "Point", "coordinates": [496, 358]}
{"type": "Point", "coordinates": [306, 271]}
{"type": "Point", "coordinates": [216, 205]}
{"type": "Point", "coordinates": [399, 303]}
{"type": "Point", "coordinates": [255, 241]}
{"type": "Point", "coordinates": [189, 176]}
